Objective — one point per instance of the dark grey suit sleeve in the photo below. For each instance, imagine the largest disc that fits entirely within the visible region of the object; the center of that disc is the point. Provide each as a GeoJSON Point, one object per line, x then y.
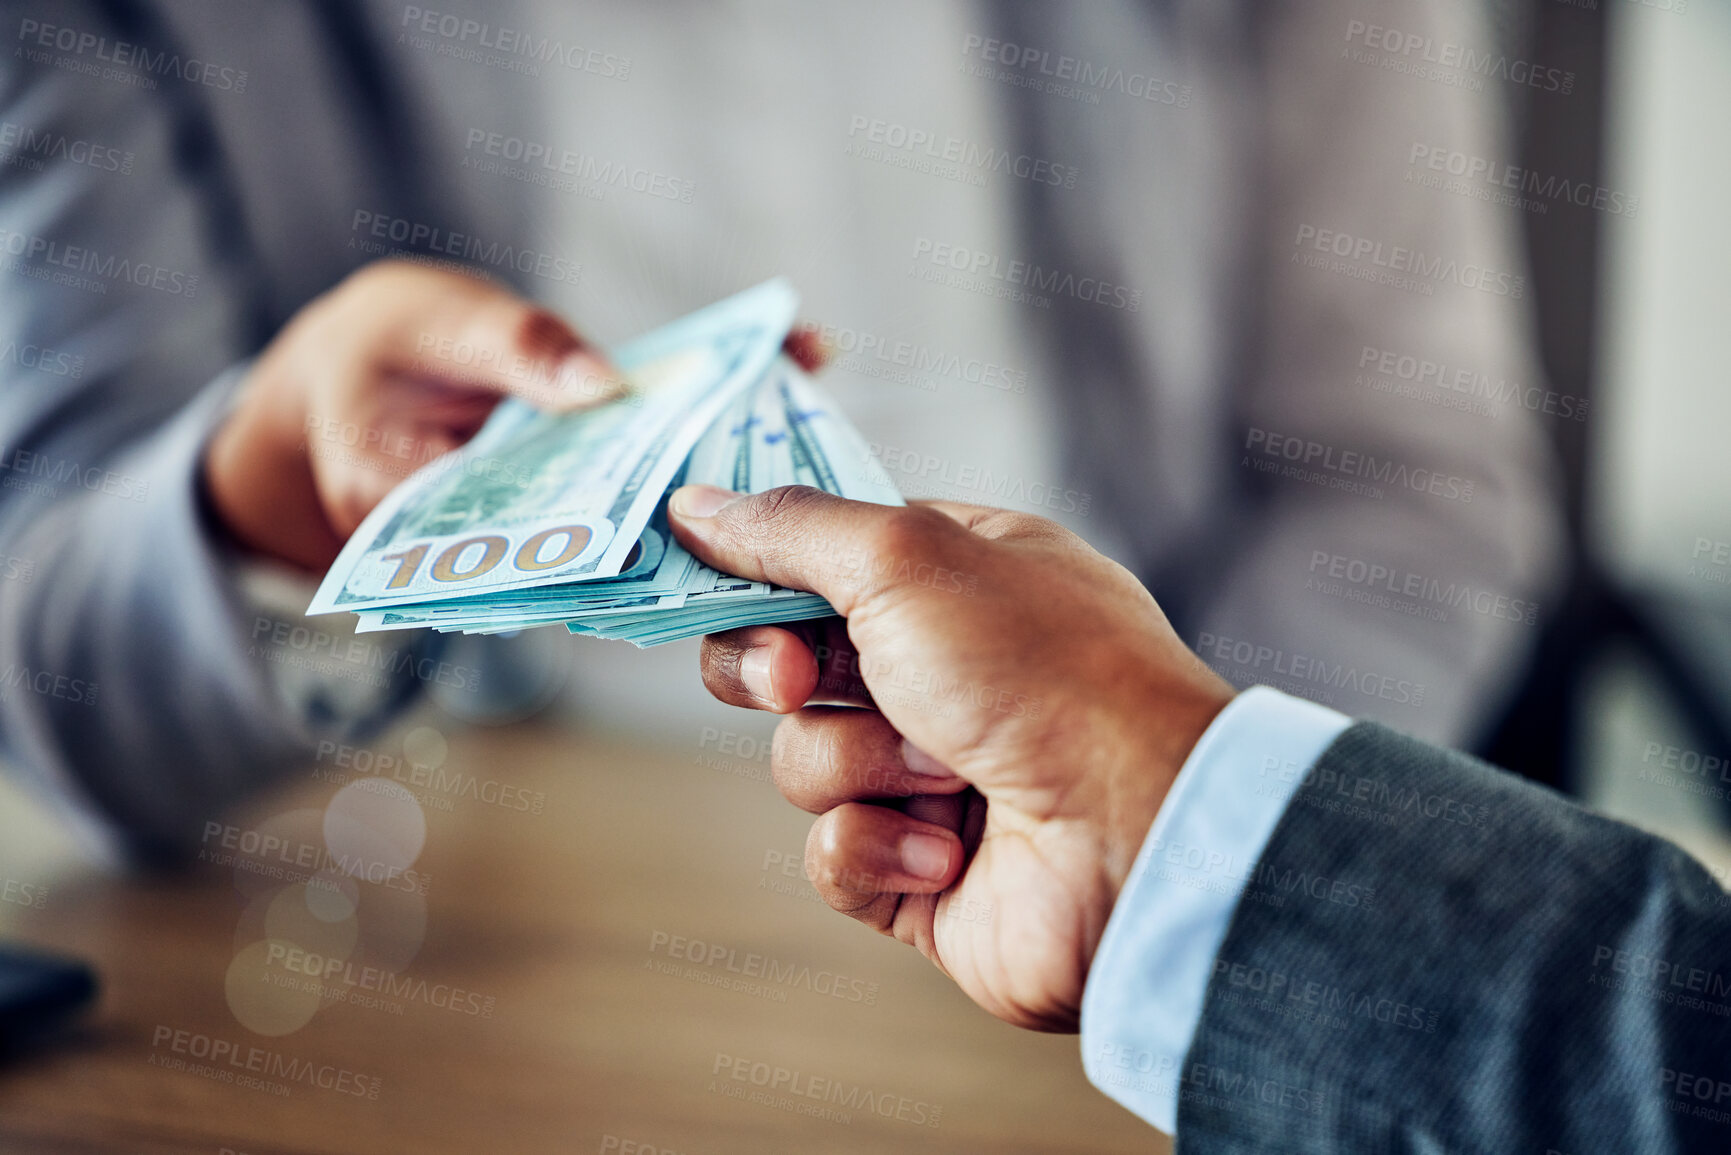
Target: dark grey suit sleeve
{"type": "Point", "coordinates": [1451, 959]}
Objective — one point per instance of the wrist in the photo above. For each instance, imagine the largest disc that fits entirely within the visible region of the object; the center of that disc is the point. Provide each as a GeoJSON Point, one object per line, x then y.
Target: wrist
{"type": "Point", "coordinates": [257, 474]}
{"type": "Point", "coordinates": [1167, 724]}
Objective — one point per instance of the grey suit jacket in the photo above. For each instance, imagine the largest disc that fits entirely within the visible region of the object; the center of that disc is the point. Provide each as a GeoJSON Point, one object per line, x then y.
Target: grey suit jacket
{"type": "Point", "coordinates": [1526, 977]}
{"type": "Point", "coordinates": [180, 177]}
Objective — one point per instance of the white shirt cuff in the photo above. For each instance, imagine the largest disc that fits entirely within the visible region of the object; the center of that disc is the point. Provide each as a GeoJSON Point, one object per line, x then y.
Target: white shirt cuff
{"type": "Point", "coordinates": [1145, 993]}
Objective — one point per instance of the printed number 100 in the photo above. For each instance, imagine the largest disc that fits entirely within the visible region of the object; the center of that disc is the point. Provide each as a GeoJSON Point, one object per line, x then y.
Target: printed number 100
{"type": "Point", "coordinates": [527, 559]}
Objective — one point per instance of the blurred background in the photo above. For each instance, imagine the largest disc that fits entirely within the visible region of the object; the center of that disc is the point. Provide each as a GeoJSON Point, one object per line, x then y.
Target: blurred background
{"type": "Point", "coordinates": [1633, 671]}
{"type": "Point", "coordinates": [597, 806]}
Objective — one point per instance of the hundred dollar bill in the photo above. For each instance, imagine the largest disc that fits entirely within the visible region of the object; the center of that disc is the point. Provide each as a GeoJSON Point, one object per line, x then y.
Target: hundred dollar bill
{"type": "Point", "coordinates": [794, 435]}
{"type": "Point", "coordinates": [784, 431]}
{"type": "Point", "coordinates": [777, 429]}
{"type": "Point", "coordinates": [659, 573]}
{"type": "Point", "coordinates": [538, 499]}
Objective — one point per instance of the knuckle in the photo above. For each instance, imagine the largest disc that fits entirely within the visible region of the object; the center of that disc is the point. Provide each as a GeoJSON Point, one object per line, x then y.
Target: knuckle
{"type": "Point", "coordinates": [789, 761]}
{"type": "Point", "coordinates": [718, 660]}
{"type": "Point", "coordinates": [710, 651]}
{"type": "Point", "coordinates": [1010, 523]}
{"type": "Point", "coordinates": [376, 274]}
{"type": "Point", "coordinates": [774, 505]}
{"type": "Point", "coordinates": [765, 521]}
{"type": "Point", "coordinates": [823, 848]}
{"type": "Point", "coordinates": [855, 904]}
{"type": "Point", "coordinates": [897, 546]}
{"type": "Point", "coordinates": [908, 532]}
{"type": "Point", "coordinates": [393, 274]}
{"type": "Point", "coordinates": [828, 759]}
{"type": "Point", "coordinates": [1012, 526]}
{"type": "Point", "coordinates": [841, 883]}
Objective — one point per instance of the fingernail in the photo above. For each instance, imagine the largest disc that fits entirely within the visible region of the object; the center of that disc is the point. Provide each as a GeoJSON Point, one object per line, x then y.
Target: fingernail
{"type": "Point", "coordinates": [805, 344]}
{"type": "Point", "coordinates": [587, 376]}
{"type": "Point", "coordinates": [699, 500]}
{"type": "Point", "coordinates": [919, 762]}
{"type": "Point", "coordinates": [754, 674]}
{"type": "Point", "coordinates": [548, 336]}
{"type": "Point", "coordinates": [925, 856]}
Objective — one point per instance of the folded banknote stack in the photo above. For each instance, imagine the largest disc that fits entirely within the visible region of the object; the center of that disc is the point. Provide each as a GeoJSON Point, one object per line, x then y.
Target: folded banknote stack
{"type": "Point", "coordinates": [546, 519]}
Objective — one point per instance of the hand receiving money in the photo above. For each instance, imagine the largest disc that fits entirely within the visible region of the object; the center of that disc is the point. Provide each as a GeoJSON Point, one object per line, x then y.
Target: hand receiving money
{"type": "Point", "coordinates": [387, 371]}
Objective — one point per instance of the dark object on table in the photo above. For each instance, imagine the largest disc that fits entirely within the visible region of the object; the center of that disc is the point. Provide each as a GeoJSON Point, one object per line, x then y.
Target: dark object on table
{"type": "Point", "coordinates": [39, 994]}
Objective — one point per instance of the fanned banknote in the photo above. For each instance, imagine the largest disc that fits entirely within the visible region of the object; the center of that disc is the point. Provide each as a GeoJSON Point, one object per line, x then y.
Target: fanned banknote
{"type": "Point", "coordinates": [547, 519]}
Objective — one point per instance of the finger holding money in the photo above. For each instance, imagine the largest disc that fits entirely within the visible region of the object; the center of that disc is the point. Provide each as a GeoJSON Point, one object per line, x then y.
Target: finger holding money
{"type": "Point", "coordinates": [782, 668]}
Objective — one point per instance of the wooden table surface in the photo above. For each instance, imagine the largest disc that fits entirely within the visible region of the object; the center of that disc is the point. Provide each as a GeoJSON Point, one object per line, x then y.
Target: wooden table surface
{"type": "Point", "coordinates": [542, 1010]}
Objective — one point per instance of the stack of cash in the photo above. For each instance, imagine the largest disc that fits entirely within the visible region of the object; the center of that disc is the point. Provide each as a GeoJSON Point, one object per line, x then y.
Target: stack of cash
{"type": "Point", "coordinates": [545, 518]}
